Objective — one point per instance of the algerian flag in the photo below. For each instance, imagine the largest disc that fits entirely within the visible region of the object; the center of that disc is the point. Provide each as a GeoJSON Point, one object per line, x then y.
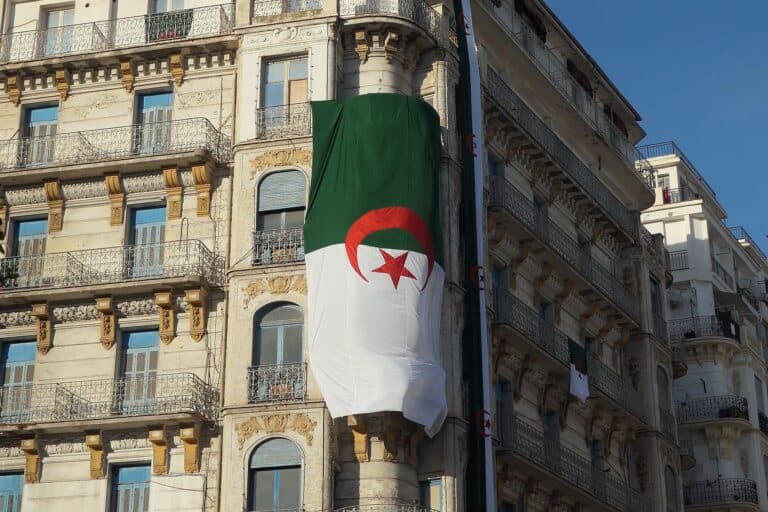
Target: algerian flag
{"type": "Point", "coordinates": [579, 380]}
{"type": "Point", "coordinates": [373, 258]}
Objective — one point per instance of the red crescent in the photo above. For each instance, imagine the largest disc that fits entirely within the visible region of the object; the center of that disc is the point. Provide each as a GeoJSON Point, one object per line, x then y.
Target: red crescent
{"type": "Point", "coordinates": [392, 217]}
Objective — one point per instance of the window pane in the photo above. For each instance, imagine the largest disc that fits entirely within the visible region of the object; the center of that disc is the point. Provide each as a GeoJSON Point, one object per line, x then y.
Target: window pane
{"type": "Point", "coordinates": [283, 315]}
{"type": "Point", "coordinates": [294, 219]}
{"type": "Point", "coordinates": [263, 490]}
{"type": "Point", "coordinates": [275, 71]}
{"type": "Point", "coordinates": [273, 94]}
{"type": "Point", "coordinates": [297, 91]}
{"type": "Point", "coordinates": [289, 489]}
{"type": "Point", "coordinates": [298, 69]}
{"type": "Point", "coordinates": [292, 344]}
{"type": "Point", "coordinates": [267, 349]}
{"type": "Point", "coordinates": [270, 221]}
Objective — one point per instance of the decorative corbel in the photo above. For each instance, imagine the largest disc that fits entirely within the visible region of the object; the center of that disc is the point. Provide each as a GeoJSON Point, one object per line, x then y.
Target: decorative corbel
{"type": "Point", "coordinates": [538, 173]}
{"type": "Point", "coordinates": [587, 315]}
{"type": "Point", "coordinates": [609, 437]}
{"type": "Point", "coordinates": [177, 68]}
{"type": "Point", "coordinates": [525, 367]}
{"type": "Point", "coordinates": [392, 434]}
{"type": "Point", "coordinates": [565, 410]}
{"type": "Point", "coordinates": [116, 198]}
{"type": "Point", "coordinates": [3, 219]}
{"type": "Point", "coordinates": [598, 231]}
{"type": "Point", "coordinates": [107, 323]}
{"type": "Point", "coordinates": [127, 74]}
{"type": "Point", "coordinates": [361, 45]}
{"type": "Point", "coordinates": [164, 303]}
{"type": "Point", "coordinates": [359, 438]}
{"type": "Point", "coordinates": [546, 273]}
{"type": "Point", "coordinates": [95, 446]}
{"type": "Point", "coordinates": [159, 450]}
{"type": "Point", "coordinates": [172, 192]}
{"type": "Point", "coordinates": [12, 87]}
{"type": "Point", "coordinates": [197, 313]}
{"type": "Point", "coordinates": [201, 174]}
{"type": "Point", "coordinates": [513, 150]}
{"type": "Point", "coordinates": [62, 83]}
{"type": "Point", "coordinates": [190, 437]}
{"type": "Point", "coordinates": [515, 263]}
{"type": "Point", "coordinates": [556, 193]}
{"type": "Point", "coordinates": [560, 298]}
{"type": "Point", "coordinates": [629, 436]}
{"type": "Point", "coordinates": [55, 205]}
{"type": "Point", "coordinates": [582, 215]}
{"type": "Point", "coordinates": [42, 327]}
{"type": "Point", "coordinates": [391, 45]}
{"type": "Point", "coordinates": [31, 449]}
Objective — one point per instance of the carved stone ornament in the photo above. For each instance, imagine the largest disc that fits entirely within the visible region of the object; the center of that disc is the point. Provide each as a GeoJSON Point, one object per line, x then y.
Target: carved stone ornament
{"type": "Point", "coordinates": [107, 320]}
{"type": "Point", "coordinates": [360, 438]}
{"type": "Point", "coordinates": [197, 313]}
{"type": "Point", "coordinates": [177, 68]}
{"type": "Point", "coordinates": [159, 443]}
{"type": "Point", "coordinates": [55, 205]}
{"type": "Point", "coordinates": [136, 307]}
{"type": "Point", "coordinates": [362, 47]}
{"type": "Point", "coordinates": [189, 436]}
{"type": "Point", "coordinates": [172, 192]}
{"type": "Point", "coordinates": [274, 423]}
{"type": "Point", "coordinates": [12, 87]}
{"type": "Point", "coordinates": [202, 176]}
{"type": "Point", "coordinates": [62, 83]}
{"type": "Point", "coordinates": [96, 448]}
{"type": "Point", "coordinates": [280, 158]}
{"type": "Point", "coordinates": [31, 449]}
{"type": "Point", "coordinates": [116, 198]}
{"type": "Point", "coordinates": [274, 285]}
{"type": "Point", "coordinates": [127, 74]}
{"type": "Point", "coordinates": [167, 314]}
{"type": "Point", "coordinates": [42, 327]}
{"type": "Point", "coordinates": [16, 318]}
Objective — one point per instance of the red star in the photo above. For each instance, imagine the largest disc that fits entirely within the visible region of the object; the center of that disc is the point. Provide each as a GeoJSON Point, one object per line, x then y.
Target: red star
{"type": "Point", "coordinates": [395, 267]}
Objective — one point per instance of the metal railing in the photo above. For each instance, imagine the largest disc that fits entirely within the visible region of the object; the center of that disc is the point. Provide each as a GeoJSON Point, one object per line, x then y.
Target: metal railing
{"type": "Point", "coordinates": [699, 326]}
{"type": "Point", "coordinates": [710, 408]}
{"type": "Point", "coordinates": [265, 8]}
{"type": "Point", "coordinates": [742, 235]}
{"type": "Point", "coordinates": [278, 246]}
{"type": "Point", "coordinates": [506, 196]}
{"type": "Point", "coordinates": [118, 33]}
{"type": "Point", "coordinates": [277, 383]}
{"type": "Point", "coordinates": [678, 195]}
{"type": "Point", "coordinates": [112, 265]}
{"type": "Point", "coordinates": [529, 443]}
{"type": "Point", "coordinates": [670, 148]}
{"type": "Point", "coordinates": [283, 121]}
{"type": "Point", "coordinates": [720, 492]}
{"type": "Point", "coordinates": [660, 328]}
{"type": "Point", "coordinates": [110, 144]}
{"type": "Point", "coordinates": [152, 394]}
{"type": "Point", "coordinates": [417, 11]}
{"type": "Point", "coordinates": [512, 311]}
{"type": "Point", "coordinates": [723, 274]}
{"type": "Point", "coordinates": [667, 424]}
{"type": "Point", "coordinates": [559, 153]}
{"type": "Point", "coordinates": [678, 260]}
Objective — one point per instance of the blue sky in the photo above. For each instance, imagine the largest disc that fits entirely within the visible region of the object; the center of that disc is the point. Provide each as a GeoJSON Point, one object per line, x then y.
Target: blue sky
{"type": "Point", "coordinates": [697, 72]}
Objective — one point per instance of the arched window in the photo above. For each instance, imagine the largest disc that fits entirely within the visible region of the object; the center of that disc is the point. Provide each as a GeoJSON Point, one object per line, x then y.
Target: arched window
{"type": "Point", "coordinates": [278, 333]}
{"type": "Point", "coordinates": [281, 201]}
{"type": "Point", "coordinates": [670, 486]}
{"type": "Point", "coordinates": [662, 382]}
{"type": "Point", "coordinates": [274, 477]}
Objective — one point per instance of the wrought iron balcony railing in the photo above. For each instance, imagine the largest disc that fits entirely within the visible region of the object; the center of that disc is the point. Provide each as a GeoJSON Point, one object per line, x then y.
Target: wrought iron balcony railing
{"type": "Point", "coordinates": [723, 274]}
{"type": "Point", "coordinates": [506, 195]}
{"type": "Point", "coordinates": [678, 260]}
{"type": "Point", "coordinates": [416, 11]}
{"type": "Point", "coordinates": [670, 148]}
{"type": "Point", "coordinates": [559, 153]}
{"type": "Point", "coordinates": [118, 33]}
{"type": "Point", "coordinates": [266, 8]}
{"type": "Point", "coordinates": [720, 492]}
{"type": "Point", "coordinates": [699, 326]}
{"type": "Point", "coordinates": [678, 195]}
{"type": "Point", "coordinates": [277, 383]}
{"type": "Point", "coordinates": [711, 408]}
{"type": "Point", "coordinates": [660, 328]}
{"type": "Point", "coordinates": [153, 394]}
{"type": "Point", "coordinates": [283, 121]}
{"type": "Point", "coordinates": [111, 144]}
{"type": "Point", "coordinates": [667, 424]}
{"type": "Point", "coordinates": [113, 265]}
{"type": "Point", "coordinates": [512, 311]}
{"type": "Point", "coordinates": [530, 444]}
{"type": "Point", "coordinates": [742, 236]}
{"type": "Point", "coordinates": [278, 246]}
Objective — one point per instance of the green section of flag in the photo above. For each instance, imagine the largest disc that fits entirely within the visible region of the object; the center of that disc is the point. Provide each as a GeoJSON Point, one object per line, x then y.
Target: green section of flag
{"type": "Point", "coordinates": [372, 151]}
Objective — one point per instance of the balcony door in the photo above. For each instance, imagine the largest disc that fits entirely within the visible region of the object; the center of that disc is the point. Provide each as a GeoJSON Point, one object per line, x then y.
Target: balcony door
{"type": "Point", "coordinates": [139, 372]}
{"type": "Point", "coordinates": [146, 252]}
{"type": "Point", "coordinates": [168, 20]}
{"type": "Point", "coordinates": [280, 219]}
{"type": "Point", "coordinates": [39, 130]}
{"type": "Point", "coordinates": [154, 123]}
{"type": "Point", "coordinates": [130, 489]}
{"type": "Point", "coordinates": [277, 353]}
{"type": "Point", "coordinates": [18, 366]}
{"type": "Point", "coordinates": [11, 487]}
{"type": "Point", "coordinates": [28, 248]}
{"type": "Point", "coordinates": [285, 96]}
{"type": "Point", "coordinates": [58, 31]}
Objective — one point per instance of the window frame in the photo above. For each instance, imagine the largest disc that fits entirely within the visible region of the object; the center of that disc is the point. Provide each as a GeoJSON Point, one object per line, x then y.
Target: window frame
{"type": "Point", "coordinates": [112, 503]}
{"type": "Point", "coordinates": [279, 349]}
{"type": "Point", "coordinates": [250, 471]}
{"type": "Point", "coordinates": [286, 61]}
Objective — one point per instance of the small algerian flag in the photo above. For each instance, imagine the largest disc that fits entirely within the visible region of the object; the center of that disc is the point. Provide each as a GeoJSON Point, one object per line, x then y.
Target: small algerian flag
{"type": "Point", "coordinates": [373, 258]}
{"type": "Point", "coordinates": [579, 380]}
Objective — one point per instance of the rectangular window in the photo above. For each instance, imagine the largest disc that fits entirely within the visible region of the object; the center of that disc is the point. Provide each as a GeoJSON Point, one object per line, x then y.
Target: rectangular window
{"type": "Point", "coordinates": [154, 114]}
{"type": "Point", "coordinates": [130, 489]}
{"type": "Point", "coordinates": [147, 235]}
{"type": "Point", "coordinates": [759, 396]}
{"type": "Point", "coordinates": [57, 39]}
{"type": "Point", "coordinates": [11, 487]}
{"type": "Point", "coordinates": [161, 6]}
{"type": "Point", "coordinates": [18, 367]}
{"type": "Point", "coordinates": [655, 297]}
{"type": "Point", "coordinates": [431, 494]}
{"type": "Point", "coordinates": [39, 130]}
{"type": "Point", "coordinates": [286, 82]}
{"type": "Point", "coordinates": [139, 371]}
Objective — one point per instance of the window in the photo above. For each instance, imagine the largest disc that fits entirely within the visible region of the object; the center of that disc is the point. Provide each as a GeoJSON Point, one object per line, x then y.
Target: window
{"type": "Point", "coordinates": [153, 117]}
{"type": "Point", "coordinates": [147, 234]}
{"type": "Point", "coordinates": [286, 82]}
{"type": "Point", "coordinates": [18, 367]}
{"type": "Point", "coordinates": [28, 245]}
{"type": "Point", "coordinates": [59, 31]}
{"type": "Point", "coordinates": [551, 425]}
{"type": "Point", "coordinates": [504, 409]}
{"type": "Point", "coordinates": [139, 371]}
{"type": "Point", "coordinates": [161, 6]}
{"type": "Point", "coordinates": [759, 395]}
{"type": "Point", "coordinates": [11, 486]}
{"type": "Point", "coordinates": [275, 477]}
{"type": "Point", "coordinates": [598, 464]}
{"type": "Point", "coordinates": [655, 298]}
{"type": "Point", "coordinates": [431, 494]}
{"type": "Point", "coordinates": [278, 336]}
{"type": "Point", "coordinates": [281, 201]}
{"type": "Point", "coordinates": [130, 489]}
{"type": "Point", "coordinates": [670, 486]}
{"type": "Point", "coordinates": [168, 20]}
{"type": "Point", "coordinates": [37, 147]}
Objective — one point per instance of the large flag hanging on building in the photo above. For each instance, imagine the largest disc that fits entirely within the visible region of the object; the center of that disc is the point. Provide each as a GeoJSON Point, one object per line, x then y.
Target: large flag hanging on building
{"type": "Point", "coordinates": [373, 258]}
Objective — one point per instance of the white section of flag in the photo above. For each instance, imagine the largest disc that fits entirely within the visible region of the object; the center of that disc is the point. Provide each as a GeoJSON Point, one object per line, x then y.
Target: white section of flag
{"type": "Point", "coordinates": [374, 348]}
{"type": "Point", "coordinates": [579, 384]}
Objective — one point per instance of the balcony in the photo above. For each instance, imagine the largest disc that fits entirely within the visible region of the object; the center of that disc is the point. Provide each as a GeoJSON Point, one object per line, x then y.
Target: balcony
{"type": "Point", "coordinates": [678, 260]}
{"type": "Point", "coordinates": [506, 196]}
{"type": "Point", "coordinates": [678, 195]}
{"type": "Point", "coordinates": [702, 326]}
{"type": "Point", "coordinates": [723, 274]}
{"type": "Point", "coordinates": [743, 237]}
{"type": "Point", "coordinates": [660, 329]}
{"type": "Point", "coordinates": [150, 29]}
{"type": "Point", "coordinates": [277, 383]}
{"type": "Point", "coordinates": [278, 247]}
{"type": "Point", "coordinates": [417, 12]}
{"type": "Point", "coordinates": [670, 148]}
{"type": "Point", "coordinates": [667, 424]}
{"type": "Point", "coordinates": [179, 394]}
{"type": "Point", "coordinates": [723, 492]}
{"type": "Point", "coordinates": [713, 408]}
{"type": "Point", "coordinates": [535, 449]}
{"type": "Point", "coordinates": [185, 260]}
{"type": "Point", "coordinates": [272, 8]}
{"type": "Point", "coordinates": [283, 121]}
{"type": "Point", "coordinates": [513, 312]}
{"type": "Point", "coordinates": [559, 153]}
{"type": "Point", "coordinates": [114, 146]}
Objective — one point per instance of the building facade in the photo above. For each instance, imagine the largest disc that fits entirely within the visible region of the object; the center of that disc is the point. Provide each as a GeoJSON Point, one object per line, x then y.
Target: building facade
{"type": "Point", "coordinates": [718, 329]}
{"type": "Point", "coordinates": [155, 162]}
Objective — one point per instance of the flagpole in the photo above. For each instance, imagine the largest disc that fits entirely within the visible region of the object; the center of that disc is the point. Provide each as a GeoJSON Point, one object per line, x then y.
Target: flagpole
{"type": "Point", "coordinates": [481, 483]}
